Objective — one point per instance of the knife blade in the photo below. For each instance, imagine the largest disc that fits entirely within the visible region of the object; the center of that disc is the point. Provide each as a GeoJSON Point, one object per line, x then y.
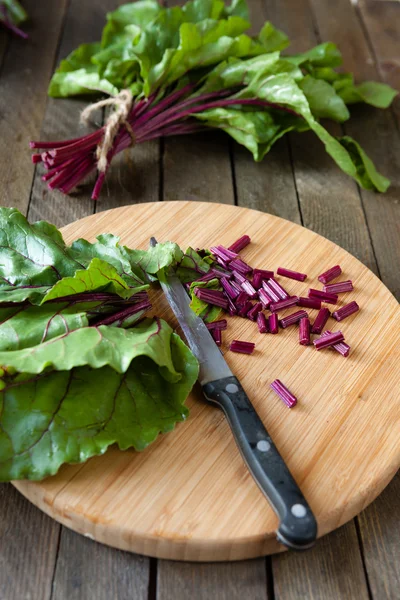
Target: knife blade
{"type": "Point", "coordinates": [297, 525]}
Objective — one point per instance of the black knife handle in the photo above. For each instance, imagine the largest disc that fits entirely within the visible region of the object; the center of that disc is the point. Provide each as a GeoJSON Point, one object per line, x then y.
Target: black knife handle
{"type": "Point", "coordinates": [297, 527]}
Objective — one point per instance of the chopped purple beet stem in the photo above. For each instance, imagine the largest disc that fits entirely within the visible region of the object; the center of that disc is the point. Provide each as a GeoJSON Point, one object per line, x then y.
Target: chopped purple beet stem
{"type": "Point", "coordinates": [259, 276]}
{"type": "Point", "coordinates": [291, 274]}
{"type": "Point", "coordinates": [264, 273]}
{"type": "Point", "coordinates": [345, 311]}
{"type": "Point", "coordinates": [219, 273]}
{"type": "Point", "coordinates": [248, 288]}
{"type": "Point", "coordinates": [241, 299]}
{"type": "Point", "coordinates": [239, 265]}
{"type": "Point", "coordinates": [304, 331]}
{"type": "Point", "coordinates": [330, 274]}
{"type": "Point", "coordinates": [278, 289]}
{"type": "Point", "coordinates": [221, 324]}
{"type": "Point", "coordinates": [211, 297]}
{"type": "Point", "coordinates": [265, 299]}
{"type": "Point", "coordinates": [207, 277]}
{"type": "Point", "coordinates": [329, 339]}
{"type": "Point", "coordinates": [273, 323]}
{"type": "Point", "coordinates": [293, 318]}
{"type": "Point", "coordinates": [284, 394]}
{"type": "Point", "coordinates": [262, 323]}
{"type": "Point", "coordinates": [224, 253]}
{"type": "Point", "coordinates": [341, 347]}
{"type": "Point", "coordinates": [339, 287]}
{"type": "Point", "coordinates": [217, 336]}
{"type": "Point", "coordinates": [282, 304]}
{"type": "Point", "coordinates": [241, 243]}
{"type": "Point", "coordinates": [320, 320]}
{"type": "Point", "coordinates": [252, 314]}
{"type": "Point", "coordinates": [231, 308]}
{"type": "Point", "coordinates": [236, 287]}
{"type": "Point", "coordinates": [239, 277]}
{"type": "Point", "coordinates": [229, 289]}
{"type": "Point", "coordinates": [243, 310]}
{"type": "Point", "coordinates": [271, 293]}
{"type": "Point", "coordinates": [242, 347]}
{"type": "Point", "coordinates": [309, 302]}
{"type": "Point", "coordinates": [323, 296]}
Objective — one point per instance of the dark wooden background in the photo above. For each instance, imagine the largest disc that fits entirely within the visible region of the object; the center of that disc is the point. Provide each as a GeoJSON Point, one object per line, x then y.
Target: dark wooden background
{"type": "Point", "coordinates": [39, 559]}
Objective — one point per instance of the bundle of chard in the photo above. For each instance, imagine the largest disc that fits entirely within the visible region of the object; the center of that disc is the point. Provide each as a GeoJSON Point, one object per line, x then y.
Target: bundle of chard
{"type": "Point", "coordinates": [175, 71]}
{"type": "Point", "coordinates": [12, 15]}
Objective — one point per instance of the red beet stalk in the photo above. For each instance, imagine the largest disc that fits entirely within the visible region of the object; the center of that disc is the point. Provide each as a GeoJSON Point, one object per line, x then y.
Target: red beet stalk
{"type": "Point", "coordinates": [329, 339]}
{"type": "Point", "coordinates": [217, 336]}
{"type": "Point", "coordinates": [320, 320]}
{"type": "Point", "coordinates": [242, 347]}
{"type": "Point", "coordinates": [330, 274]}
{"type": "Point", "coordinates": [345, 311]}
{"type": "Point", "coordinates": [293, 318]}
{"type": "Point", "coordinates": [271, 292]}
{"type": "Point", "coordinates": [211, 297]}
{"type": "Point", "coordinates": [323, 296]}
{"type": "Point", "coordinates": [273, 323]}
{"type": "Point", "coordinates": [340, 287]}
{"type": "Point", "coordinates": [284, 394]}
{"type": "Point", "coordinates": [241, 243]}
{"type": "Point", "coordinates": [304, 331]}
{"type": "Point", "coordinates": [239, 265]}
{"type": "Point", "coordinates": [262, 323]}
{"type": "Point", "coordinates": [282, 304]}
{"type": "Point", "coordinates": [278, 289]}
{"type": "Point", "coordinates": [341, 347]}
{"type": "Point", "coordinates": [291, 274]}
{"type": "Point", "coordinates": [221, 324]}
{"type": "Point", "coordinates": [229, 289]}
{"type": "Point", "coordinates": [253, 312]}
{"type": "Point", "coordinates": [309, 302]}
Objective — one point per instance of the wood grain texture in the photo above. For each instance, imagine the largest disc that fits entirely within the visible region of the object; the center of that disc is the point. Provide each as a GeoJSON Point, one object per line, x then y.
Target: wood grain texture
{"type": "Point", "coordinates": [379, 139]}
{"type": "Point", "coordinates": [25, 73]}
{"type": "Point", "coordinates": [189, 496]}
{"type": "Point", "coordinates": [88, 571]}
{"type": "Point", "coordinates": [332, 569]}
{"type": "Point", "coordinates": [28, 542]}
{"type": "Point", "coordinates": [380, 534]}
{"type": "Point", "coordinates": [226, 581]}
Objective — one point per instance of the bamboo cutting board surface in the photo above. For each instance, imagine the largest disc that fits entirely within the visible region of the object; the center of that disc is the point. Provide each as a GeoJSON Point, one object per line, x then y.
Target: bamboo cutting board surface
{"type": "Point", "coordinates": [189, 496]}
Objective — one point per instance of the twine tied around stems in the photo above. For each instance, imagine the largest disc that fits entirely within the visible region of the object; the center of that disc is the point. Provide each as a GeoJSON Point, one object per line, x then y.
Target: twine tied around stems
{"type": "Point", "coordinates": [122, 103]}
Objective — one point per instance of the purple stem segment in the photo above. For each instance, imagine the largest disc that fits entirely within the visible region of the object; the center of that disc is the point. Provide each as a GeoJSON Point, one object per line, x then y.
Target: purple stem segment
{"type": "Point", "coordinates": [345, 311]}
{"type": "Point", "coordinates": [217, 336]}
{"type": "Point", "coordinates": [341, 347]}
{"type": "Point", "coordinates": [253, 312]}
{"type": "Point", "coordinates": [211, 297]}
{"type": "Point", "coordinates": [284, 394]}
{"type": "Point", "coordinates": [323, 296]}
{"type": "Point", "coordinates": [309, 302]}
{"type": "Point", "coordinates": [239, 265]}
{"type": "Point", "coordinates": [282, 304]}
{"type": "Point", "coordinates": [265, 299]}
{"type": "Point", "coordinates": [330, 274]}
{"type": "Point", "coordinates": [262, 323]}
{"type": "Point", "coordinates": [242, 347]}
{"type": "Point", "coordinates": [244, 310]}
{"type": "Point", "coordinates": [339, 287]}
{"type": "Point", "coordinates": [241, 243]}
{"type": "Point", "coordinates": [229, 289]}
{"type": "Point", "coordinates": [273, 323]}
{"type": "Point", "coordinates": [221, 324]}
{"type": "Point", "coordinates": [304, 331]}
{"type": "Point", "coordinates": [248, 288]}
{"type": "Point", "coordinates": [293, 318]}
{"type": "Point", "coordinates": [291, 274]}
{"type": "Point", "coordinates": [270, 292]}
{"type": "Point", "coordinates": [278, 289]}
{"type": "Point", "coordinates": [329, 339]}
{"type": "Point", "coordinates": [320, 320]}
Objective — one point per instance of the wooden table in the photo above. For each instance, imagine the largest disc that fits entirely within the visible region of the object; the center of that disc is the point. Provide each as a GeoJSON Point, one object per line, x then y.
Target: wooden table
{"type": "Point", "coordinates": [39, 559]}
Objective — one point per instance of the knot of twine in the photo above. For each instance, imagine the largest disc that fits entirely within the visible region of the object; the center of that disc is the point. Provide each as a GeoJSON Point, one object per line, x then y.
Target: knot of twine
{"type": "Point", "coordinates": [122, 104]}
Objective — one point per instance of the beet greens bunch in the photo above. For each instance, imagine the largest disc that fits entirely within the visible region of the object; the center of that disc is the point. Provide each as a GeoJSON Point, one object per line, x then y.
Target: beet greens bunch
{"type": "Point", "coordinates": [191, 68]}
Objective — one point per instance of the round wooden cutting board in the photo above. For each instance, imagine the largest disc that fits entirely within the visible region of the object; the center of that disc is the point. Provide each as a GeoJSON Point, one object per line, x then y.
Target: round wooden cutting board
{"type": "Point", "coordinates": [189, 496]}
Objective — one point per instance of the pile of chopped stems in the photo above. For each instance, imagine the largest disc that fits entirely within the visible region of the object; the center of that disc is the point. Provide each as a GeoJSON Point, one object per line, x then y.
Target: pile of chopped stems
{"type": "Point", "coordinates": [194, 68]}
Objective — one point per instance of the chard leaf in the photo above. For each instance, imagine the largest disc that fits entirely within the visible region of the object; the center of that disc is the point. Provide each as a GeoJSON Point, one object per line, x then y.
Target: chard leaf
{"type": "Point", "coordinates": [272, 39]}
{"type": "Point", "coordinates": [191, 266]}
{"type": "Point", "coordinates": [31, 255]}
{"type": "Point", "coordinates": [24, 327]}
{"type": "Point", "coordinates": [139, 14]}
{"type": "Point", "coordinates": [16, 12]}
{"type": "Point", "coordinates": [77, 74]}
{"type": "Point", "coordinates": [206, 311]}
{"type": "Point", "coordinates": [367, 175]}
{"type": "Point", "coordinates": [323, 100]}
{"type": "Point", "coordinates": [323, 55]}
{"type": "Point", "coordinates": [67, 417]}
{"type": "Point", "coordinates": [99, 275]}
{"type": "Point", "coordinates": [154, 259]}
{"type": "Point", "coordinates": [374, 93]}
{"type": "Point", "coordinates": [96, 347]}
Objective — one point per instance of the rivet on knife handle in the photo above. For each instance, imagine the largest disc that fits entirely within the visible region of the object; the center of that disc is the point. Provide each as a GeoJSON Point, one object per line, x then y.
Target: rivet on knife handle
{"type": "Point", "coordinates": [297, 527]}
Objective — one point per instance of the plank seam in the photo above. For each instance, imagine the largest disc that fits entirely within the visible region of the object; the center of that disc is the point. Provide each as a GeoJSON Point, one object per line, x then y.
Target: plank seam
{"type": "Point", "coordinates": [294, 179]}
{"type": "Point", "coordinates": [53, 577]}
{"type": "Point", "coordinates": [153, 569]}
{"type": "Point", "coordinates": [269, 578]}
{"type": "Point", "coordinates": [233, 170]}
{"type": "Point", "coordinates": [362, 554]}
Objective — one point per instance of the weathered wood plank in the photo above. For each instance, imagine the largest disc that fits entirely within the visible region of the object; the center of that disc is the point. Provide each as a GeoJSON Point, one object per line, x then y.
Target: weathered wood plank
{"type": "Point", "coordinates": [381, 21]}
{"type": "Point", "coordinates": [89, 571]}
{"type": "Point", "coordinates": [375, 130]}
{"type": "Point", "coordinates": [331, 570]}
{"type": "Point", "coordinates": [225, 581]}
{"type": "Point", "coordinates": [28, 548]}
{"type": "Point", "coordinates": [380, 534]}
{"type": "Point", "coordinates": [26, 69]}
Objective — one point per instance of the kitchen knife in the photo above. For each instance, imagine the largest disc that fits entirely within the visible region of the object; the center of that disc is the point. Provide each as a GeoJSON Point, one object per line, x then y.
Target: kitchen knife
{"type": "Point", "coordinates": [297, 525]}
